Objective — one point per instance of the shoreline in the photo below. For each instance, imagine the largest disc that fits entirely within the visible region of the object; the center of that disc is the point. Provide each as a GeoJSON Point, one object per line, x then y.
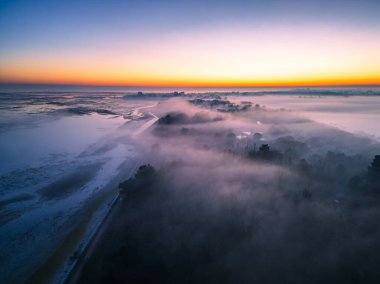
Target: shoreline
{"type": "Point", "coordinates": [76, 241]}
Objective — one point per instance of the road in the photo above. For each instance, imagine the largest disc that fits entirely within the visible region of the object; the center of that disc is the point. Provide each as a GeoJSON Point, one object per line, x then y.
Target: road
{"type": "Point", "coordinates": [76, 267]}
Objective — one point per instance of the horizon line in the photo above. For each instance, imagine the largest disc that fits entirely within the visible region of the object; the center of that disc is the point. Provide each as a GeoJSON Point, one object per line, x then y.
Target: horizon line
{"type": "Point", "coordinates": [188, 86]}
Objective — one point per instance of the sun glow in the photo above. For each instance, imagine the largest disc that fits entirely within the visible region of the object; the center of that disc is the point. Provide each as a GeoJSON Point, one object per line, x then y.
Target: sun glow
{"type": "Point", "coordinates": [219, 57]}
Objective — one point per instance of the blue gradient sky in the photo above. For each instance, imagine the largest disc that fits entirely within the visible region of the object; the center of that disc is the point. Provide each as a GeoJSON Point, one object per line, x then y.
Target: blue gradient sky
{"type": "Point", "coordinates": [53, 31]}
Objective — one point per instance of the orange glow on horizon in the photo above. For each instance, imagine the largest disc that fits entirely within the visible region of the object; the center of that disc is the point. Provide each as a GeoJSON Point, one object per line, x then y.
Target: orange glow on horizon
{"type": "Point", "coordinates": [209, 84]}
{"type": "Point", "coordinates": [212, 58]}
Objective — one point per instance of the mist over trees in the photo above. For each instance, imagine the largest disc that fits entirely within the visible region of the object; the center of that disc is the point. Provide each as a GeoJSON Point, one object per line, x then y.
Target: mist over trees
{"type": "Point", "coordinates": [251, 197]}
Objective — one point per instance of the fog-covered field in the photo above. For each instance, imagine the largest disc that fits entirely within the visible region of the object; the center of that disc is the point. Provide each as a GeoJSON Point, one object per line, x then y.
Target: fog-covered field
{"type": "Point", "coordinates": [235, 189]}
{"type": "Point", "coordinates": [355, 114]}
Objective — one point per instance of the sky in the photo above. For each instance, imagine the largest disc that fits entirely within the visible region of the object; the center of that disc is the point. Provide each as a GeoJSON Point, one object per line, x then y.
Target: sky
{"type": "Point", "coordinates": [190, 43]}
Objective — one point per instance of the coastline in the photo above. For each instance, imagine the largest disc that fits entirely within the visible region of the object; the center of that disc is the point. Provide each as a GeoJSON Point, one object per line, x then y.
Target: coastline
{"type": "Point", "coordinates": [63, 265]}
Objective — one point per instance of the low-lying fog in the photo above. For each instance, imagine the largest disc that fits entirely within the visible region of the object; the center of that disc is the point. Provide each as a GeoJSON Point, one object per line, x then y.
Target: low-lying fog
{"type": "Point", "coordinates": [237, 194]}
{"type": "Point", "coordinates": [357, 114]}
{"type": "Point", "coordinates": [239, 189]}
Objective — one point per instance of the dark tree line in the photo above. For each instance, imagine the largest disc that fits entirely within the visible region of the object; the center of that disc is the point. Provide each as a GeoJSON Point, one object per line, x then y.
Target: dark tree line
{"type": "Point", "coordinates": [368, 182]}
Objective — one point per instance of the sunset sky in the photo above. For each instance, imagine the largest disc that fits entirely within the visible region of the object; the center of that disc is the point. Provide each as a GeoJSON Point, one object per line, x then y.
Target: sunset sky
{"type": "Point", "coordinates": [190, 43]}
